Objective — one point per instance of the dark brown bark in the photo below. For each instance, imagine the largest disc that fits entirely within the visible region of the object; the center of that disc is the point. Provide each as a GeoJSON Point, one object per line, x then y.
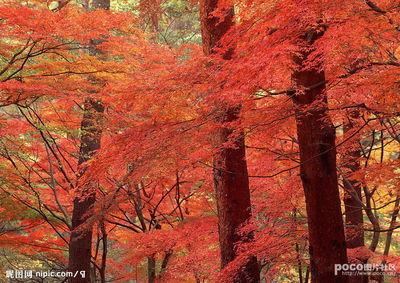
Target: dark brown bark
{"type": "Point", "coordinates": [165, 260]}
{"type": "Point", "coordinates": [151, 269]}
{"type": "Point", "coordinates": [231, 181]}
{"type": "Point", "coordinates": [80, 246]}
{"type": "Point", "coordinates": [306, 279]}
{"type": "Point", "coordinates": [81, 238]}
{"type": "Point", "coordinates": [353, 200]}
{"type": "Point", "coordinates": [214, 28]}
{"type": "Point", "coordinates": [353, 210]}
{"type": "Point", "coordinates": [233, 198]}
{"type": "Point", "coordinates": [101, 4]}
{"type": "Point", "coordinates": [104, 241]}
{"type": "Point", "coordinates": [316, 137]}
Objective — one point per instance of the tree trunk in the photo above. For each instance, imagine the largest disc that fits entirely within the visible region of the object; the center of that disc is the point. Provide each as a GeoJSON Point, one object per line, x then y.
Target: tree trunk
{"type": "Point", "coordinates": [151, 269]}
{"type": "Point", "coordinates": [395, 213]}
{"type": "Point", "coordinates": [165, 260]}
{"type": "Point", "coordinates": [233, 198]}
{"type": "Point", "coordinates": [352, 194]}
{"type": "Point", "coordinates": [316, 137]}
{"type": "Point", "coordinates": [353, 200]}
{"type": "Point", "coordinates": [373, 219]}
{"type": "Point", "coordinates": [230, 168]}
{"type": "Point", "coordinates": [392, 226]}
{"type": "Point", "coordinates": [100, 4]}
{"type": "Point", "coordinates": [80, 245]}
{"type": "Point", "coordinates": [81, 238]}
{"type": "Point", "coordinates": [104, 240]}
{"type": "Point", "coordinates": [353, 208]}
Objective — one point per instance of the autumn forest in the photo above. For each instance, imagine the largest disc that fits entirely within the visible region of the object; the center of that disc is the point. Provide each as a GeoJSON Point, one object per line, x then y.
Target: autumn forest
{"type": "Point", "coordinates": [234, 141]}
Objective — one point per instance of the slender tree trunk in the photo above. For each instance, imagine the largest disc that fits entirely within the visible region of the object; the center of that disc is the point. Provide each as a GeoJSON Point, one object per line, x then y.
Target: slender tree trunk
{"type": "Point", "coordinates": [297, 249]}
{"type": "Point", "coordinates": [307, 275]}
{"type": "Point", "coordinates": [231, 181]}
{"type": "Point", "coordinates": [395, 213]}
{"type": "Point", "coordinates": [373, 219]}
{"type": "Point", "coordinates": [104, 241]}
{"type": "Point", "coordinates": [352, 197]}
{"type": "Point", "coordinates": [80, 245]}
{"type": "Point", "coordinates": [392, 226]}
{"type": "Point", "coordinates": [393, 220]}
{"type": "Point", "coordinates": [353, 200]}
{"type": "Point", "coordinates": [316, 136]}
{"type": "Point", "coordinates": [165, 260]}
{"type": "Point", "coordinates": [353, 211]}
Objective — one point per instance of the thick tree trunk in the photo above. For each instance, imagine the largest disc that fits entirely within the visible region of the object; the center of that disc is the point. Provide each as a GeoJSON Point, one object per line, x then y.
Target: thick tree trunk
{"type": "Point", "coordinates": [316, 137]}
{"type": "Point", "coordinates": [100, 4]}
{"type": "Point", "coordinates": [230, 168]}
{"type": "Point", "coordinates": [80, 245]}
{"type": "Point", "coordinates": [233, 198]}
{"type": "Point", "coordinates": [151, 269]}
{"type": "Point", "coordinates": [81, 238]}
{"type": "Point", "coordinates": [214, 28]}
